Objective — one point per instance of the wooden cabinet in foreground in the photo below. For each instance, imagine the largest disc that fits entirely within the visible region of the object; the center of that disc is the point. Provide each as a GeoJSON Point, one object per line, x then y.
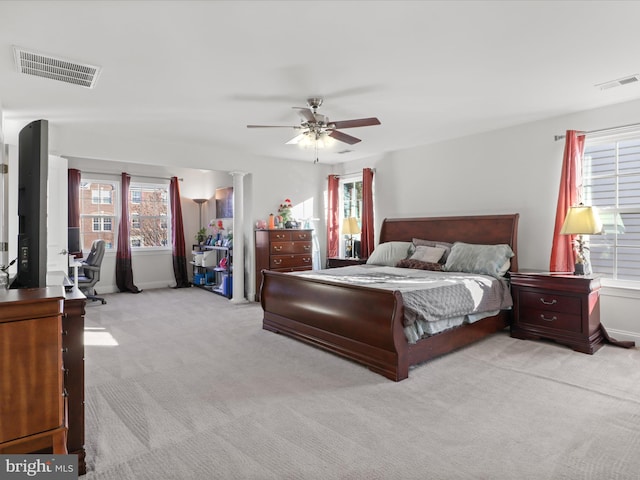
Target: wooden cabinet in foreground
{"type": "Point", "coordinates": [32, 410]}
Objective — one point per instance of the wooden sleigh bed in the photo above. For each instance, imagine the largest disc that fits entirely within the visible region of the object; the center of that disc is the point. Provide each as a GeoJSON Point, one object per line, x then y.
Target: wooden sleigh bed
{"type": "Point", "coordinates": [366, 324]}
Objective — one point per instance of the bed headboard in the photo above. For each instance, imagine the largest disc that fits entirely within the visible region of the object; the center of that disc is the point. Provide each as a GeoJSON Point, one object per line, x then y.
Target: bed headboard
{"type": "Point", "coordinates": [479, 229]}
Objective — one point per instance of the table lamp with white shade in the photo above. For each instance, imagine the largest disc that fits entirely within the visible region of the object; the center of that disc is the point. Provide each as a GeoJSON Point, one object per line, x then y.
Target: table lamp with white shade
{"type": "Point", "coordinates": [582, 220]}
{"type": "Point", "coordinates": [350, 227]}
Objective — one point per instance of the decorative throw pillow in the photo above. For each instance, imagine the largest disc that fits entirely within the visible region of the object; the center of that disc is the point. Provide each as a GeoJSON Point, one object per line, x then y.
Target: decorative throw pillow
{"type": "Point", "coordinates": [482, 259]}
{"type": "Point", "coordinates": [418, 265]}
{"type": "Point", "coordinates": [435, 243]}
{"type": "Point", "coordinates": [389, 253]}
{"type": "Point", "coordinates": [428, 254]}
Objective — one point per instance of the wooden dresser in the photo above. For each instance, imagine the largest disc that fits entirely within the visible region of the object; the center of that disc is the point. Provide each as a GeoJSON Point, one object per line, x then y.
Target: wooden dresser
{"type": "Point", "coordinates": [283, 250]}
{"type": "Point", "coordinates": [73, 362]}
{"type": "Point", "coordinates": [32, 410]}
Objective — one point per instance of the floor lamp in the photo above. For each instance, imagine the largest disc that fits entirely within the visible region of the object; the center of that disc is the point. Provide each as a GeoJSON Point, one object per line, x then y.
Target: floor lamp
{"type": "Point", "coordinates": [200, 201]}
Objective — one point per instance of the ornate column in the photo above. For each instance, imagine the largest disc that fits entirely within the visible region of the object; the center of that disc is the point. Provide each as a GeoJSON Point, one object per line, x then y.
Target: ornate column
{"type": "Point", "coordinates": [238, 237]}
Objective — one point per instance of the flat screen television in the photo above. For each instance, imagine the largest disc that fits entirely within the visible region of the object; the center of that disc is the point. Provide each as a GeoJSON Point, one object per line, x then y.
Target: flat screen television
{"type": "Point", "coordinates": [33, 167]}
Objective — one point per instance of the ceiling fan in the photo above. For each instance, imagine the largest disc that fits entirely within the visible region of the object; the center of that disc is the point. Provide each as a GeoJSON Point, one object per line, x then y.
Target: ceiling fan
{"type": "Point", "coordinates": [315, 127]}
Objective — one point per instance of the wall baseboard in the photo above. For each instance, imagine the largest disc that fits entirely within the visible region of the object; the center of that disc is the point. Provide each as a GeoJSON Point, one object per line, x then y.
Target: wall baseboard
{"type": "Point", "coordinates": [105, 289]}
{"type": "Point", "coordinates": [624, 335]}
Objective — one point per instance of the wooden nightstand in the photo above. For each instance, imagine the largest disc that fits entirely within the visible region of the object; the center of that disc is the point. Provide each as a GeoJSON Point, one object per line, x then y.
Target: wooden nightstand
{"type": "Point", "coordinates": [335, 262]}
{"type": "Point", "coordinates": [560, 307]}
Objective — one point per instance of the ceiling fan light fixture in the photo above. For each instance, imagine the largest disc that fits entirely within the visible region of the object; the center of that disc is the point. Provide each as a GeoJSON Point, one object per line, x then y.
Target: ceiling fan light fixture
{"type": "Point", "coordinates": [315, 140]}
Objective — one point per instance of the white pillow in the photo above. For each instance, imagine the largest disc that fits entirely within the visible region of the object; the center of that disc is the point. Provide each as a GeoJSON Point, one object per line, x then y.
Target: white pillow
{"type": "Point", "coordinates": [428, 254]}
{"type": "Point", "coordinates": [389, 253]}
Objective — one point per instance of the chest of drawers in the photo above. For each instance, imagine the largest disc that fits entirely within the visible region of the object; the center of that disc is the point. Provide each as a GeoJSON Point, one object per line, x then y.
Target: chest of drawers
{"type": "Point", "coordinates": [284, 250]}
{"type": "Point", "coordinates": [32, 410]}
{"type": "Point", "coordinates": [560, 307]}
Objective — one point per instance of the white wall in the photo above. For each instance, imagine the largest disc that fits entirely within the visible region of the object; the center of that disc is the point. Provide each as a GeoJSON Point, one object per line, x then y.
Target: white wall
{"type": "Point", "coordinates": [510, 170]}
{"type": "Point", "coordinates": [514, 170]}
{"type": "Point", "coordinates": [267, 183]}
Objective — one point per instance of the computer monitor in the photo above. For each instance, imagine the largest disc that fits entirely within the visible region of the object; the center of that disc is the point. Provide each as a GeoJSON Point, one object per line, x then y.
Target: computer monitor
{"type": "Point", "coordinates": [73, 243]}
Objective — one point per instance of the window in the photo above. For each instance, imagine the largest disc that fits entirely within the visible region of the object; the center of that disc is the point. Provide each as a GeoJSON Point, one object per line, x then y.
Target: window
{"type": "Point", "coordinates": [611, 182]}
{"type": "Point", "coordinates": [97, 212]}
{"type": "Point", "coordinates": [102, 195]}
{"type": "Point", "coordinates": [351, 206]}
{"type": "Point", "coordinates": [102, 224]}
{"type": "Point", "coordinates": [148, 212]}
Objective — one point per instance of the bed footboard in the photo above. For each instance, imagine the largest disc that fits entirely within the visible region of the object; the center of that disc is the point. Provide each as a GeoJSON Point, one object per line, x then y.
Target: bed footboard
{"type": "Point", "coordinates": [361, 324]}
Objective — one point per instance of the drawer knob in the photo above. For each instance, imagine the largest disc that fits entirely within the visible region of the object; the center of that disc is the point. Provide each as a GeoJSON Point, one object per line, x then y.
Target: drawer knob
{"type": "Point", "coordinates": [307, 248]}
{"type": "Point", "coordinates": [277, 261]}
{"type": "Point", "coordinates": [552, 319]}
{"type": "Point", "coordinates": [552, 302]}
{"type": "Point", "coordinates": [277, 248]}
{"type": "Point", "coordinates": [306, 260]}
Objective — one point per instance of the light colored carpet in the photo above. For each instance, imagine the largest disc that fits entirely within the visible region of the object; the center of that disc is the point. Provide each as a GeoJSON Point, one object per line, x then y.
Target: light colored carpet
{"type": "Point", "coordinates": [195, 389]}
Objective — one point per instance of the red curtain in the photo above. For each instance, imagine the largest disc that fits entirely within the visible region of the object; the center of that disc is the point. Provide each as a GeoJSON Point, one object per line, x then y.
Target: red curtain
{"type": "Point", "coordinates": [333, 229]}
{"type": "Point", "coordinates": [367, 234]}
{"type": "Point", "coordinates": [562, 254]}
{"type": "Point", "coordinates": [177, 242]}
{"type": "Point", "coordinates": [124, 271]}
{"type": "Point", "coordinates": [74, 176]}
{"type": "Point", "coordinates": [73, 206]}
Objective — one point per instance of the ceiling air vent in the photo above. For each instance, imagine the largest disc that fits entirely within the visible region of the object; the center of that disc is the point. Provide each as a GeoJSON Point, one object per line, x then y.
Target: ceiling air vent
{"type": "Point", "coordinates": [46, 66]}
{"type": "Point", "coordinates": [619, 82]}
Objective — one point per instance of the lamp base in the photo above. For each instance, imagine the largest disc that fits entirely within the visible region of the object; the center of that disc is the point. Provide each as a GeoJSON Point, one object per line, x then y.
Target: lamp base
{"type": "Point", "coordinates": [582, 269]}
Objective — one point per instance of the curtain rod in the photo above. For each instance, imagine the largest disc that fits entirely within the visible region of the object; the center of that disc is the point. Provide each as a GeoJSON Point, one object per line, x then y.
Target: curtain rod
{"type": "Point", "coordinates": [621, 127]}
{"type": "Point", "coordinates": [132, 174]}
{"type": "Point", "coordinates": [350, 173]}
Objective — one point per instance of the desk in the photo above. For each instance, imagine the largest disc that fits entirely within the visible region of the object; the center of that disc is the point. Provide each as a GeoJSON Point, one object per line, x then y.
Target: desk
{"type": "Point", "coordinates": [74, 264]}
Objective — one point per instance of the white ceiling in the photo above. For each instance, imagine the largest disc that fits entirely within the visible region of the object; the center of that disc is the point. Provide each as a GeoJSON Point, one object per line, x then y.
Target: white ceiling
{"type": "Point", "coordinates": [201, 71]}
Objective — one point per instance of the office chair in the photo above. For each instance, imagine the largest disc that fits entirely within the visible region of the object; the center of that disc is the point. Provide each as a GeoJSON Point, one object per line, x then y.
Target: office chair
{"type": "Point", "coordinates": [91, 271]}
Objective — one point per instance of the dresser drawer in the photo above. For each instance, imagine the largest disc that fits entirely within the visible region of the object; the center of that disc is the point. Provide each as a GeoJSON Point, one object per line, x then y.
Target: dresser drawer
{"type": "Point", "coordinates": [279, 236]}
{"type": "Point", "coordinates": [550, 302]}
{"type": "Point", "coordinates": [290, 247]}
{"type": "Point", "coordinates": [301, 235]}
{"type": "Point", "coordinates": [288, 261]}
{"type": "Point", "coordinates": [289, 235]}
{"type": "Point", "coordinates": [548, 319]}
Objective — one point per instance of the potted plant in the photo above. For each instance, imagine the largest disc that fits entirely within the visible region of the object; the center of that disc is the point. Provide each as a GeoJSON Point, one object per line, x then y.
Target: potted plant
{"type": "Point", "coordinates": [201, 235]}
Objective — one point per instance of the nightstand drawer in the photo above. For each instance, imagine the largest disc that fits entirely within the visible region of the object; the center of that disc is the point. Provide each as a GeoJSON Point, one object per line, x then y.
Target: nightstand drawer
{"type": "Point", "coordinates": [549, 302]}
{"type": "Point", "coordinates": [548, 319]}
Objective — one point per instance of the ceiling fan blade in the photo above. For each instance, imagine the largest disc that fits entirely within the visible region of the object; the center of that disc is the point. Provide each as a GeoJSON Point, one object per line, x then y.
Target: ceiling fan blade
{"type": "Point", "coordinates": [295, 140]}
{"type": "Point", "coordinates": [343, 137]}
{"type": "Point", "coordinates": [306, 114]}
{"type": "Point", "coordinates": [360, 122]}
{"type": "Point", "coordinates": [273, 126]}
